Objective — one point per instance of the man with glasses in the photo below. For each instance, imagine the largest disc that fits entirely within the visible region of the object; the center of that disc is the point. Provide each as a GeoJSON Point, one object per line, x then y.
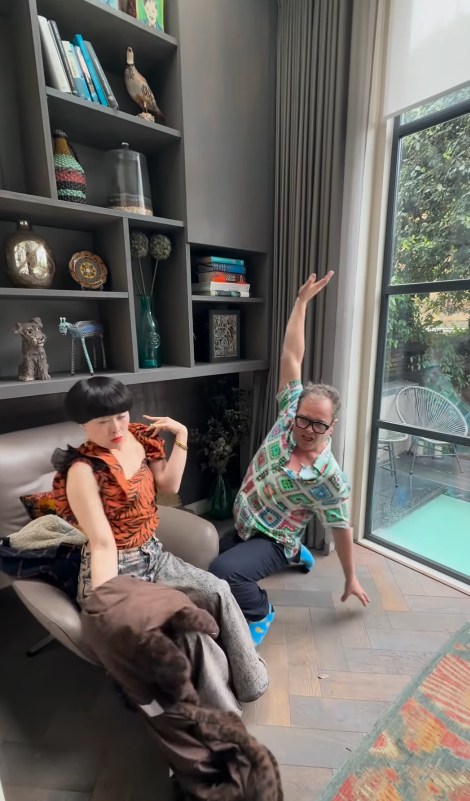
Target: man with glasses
{"type": "Point", "coordinates": [292, 477]}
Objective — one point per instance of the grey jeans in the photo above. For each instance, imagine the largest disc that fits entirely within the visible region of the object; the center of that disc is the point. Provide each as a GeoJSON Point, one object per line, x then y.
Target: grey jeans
{"type": "Point", "coordinates": [245, 671]}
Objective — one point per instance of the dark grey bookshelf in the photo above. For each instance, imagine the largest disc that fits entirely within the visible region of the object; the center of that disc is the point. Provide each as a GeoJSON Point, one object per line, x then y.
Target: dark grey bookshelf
{"type": "Point", "coordinates": [100, 127]}
{"type": "Point", "coordinates": [205, 196]}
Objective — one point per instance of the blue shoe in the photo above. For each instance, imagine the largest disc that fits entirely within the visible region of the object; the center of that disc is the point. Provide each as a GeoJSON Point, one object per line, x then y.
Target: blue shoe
{"type": "Point", "coordinates": [259, 628]}
{"type": "Point", "coordinates": [306, 560]}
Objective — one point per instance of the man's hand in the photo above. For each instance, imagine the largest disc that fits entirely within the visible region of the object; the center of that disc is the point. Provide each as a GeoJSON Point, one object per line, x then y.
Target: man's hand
{"type": "Point", "coordinates": [312, 287]}
{"type": "Point", "coordinates": [352, 587]}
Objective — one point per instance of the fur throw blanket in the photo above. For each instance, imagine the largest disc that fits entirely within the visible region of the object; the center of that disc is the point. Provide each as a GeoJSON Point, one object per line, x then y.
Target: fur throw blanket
{"type": "Point", "coordinates": [135, 629]}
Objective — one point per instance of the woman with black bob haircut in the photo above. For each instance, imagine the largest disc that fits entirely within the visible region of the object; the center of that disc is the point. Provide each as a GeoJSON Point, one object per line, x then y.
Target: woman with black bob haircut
{"type": "Point", "coordinates": [107, 488]}
{"type": "Point", "coordinates": [96, 397]}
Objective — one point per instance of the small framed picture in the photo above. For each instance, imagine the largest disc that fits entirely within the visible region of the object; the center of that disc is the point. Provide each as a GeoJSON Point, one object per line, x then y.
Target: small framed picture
{"type": "Point", "coordinates": [150, 12]}
{"type": "Point", "coordinates": [224, 335]}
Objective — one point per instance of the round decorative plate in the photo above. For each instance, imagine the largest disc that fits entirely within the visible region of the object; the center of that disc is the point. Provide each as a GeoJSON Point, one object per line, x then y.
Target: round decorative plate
{"type": "Point", "coordinates": [88, 270]}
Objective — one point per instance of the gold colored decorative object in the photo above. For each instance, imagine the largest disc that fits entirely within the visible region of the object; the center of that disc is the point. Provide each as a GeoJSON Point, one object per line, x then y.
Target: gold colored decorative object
{"type": "Point", "coordinates": [88, 270]}
{"type": "Point", "coordinates": [29, 259]}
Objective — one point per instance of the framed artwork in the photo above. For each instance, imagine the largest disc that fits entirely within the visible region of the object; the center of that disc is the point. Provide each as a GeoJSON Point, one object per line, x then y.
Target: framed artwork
{"type": "Point", "coordinates": [224, 335]}
{"type": "Point", "coordinates": [150, 12]}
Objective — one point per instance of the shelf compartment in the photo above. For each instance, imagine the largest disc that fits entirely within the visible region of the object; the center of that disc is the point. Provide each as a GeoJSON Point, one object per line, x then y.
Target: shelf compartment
{"type": "Point", "coordinates": [43, 211]}
{"type": "Point", "coordinates": [113, 30]}
{"type": "Point", "coordinates": [101, 127]}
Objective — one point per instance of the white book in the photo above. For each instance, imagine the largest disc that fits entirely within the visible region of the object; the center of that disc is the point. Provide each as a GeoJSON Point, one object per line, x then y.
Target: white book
{"type": "Point", "coordinates": [54, 67]}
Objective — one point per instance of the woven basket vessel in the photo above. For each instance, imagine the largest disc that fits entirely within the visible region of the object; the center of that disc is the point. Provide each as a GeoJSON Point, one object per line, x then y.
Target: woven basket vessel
{"type": "Point", "coordinates": [69, 173]}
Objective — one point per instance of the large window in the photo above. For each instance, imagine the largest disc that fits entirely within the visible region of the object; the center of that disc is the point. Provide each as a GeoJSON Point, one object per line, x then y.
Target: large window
{"type": "Point", "coordinates": [419, 477]}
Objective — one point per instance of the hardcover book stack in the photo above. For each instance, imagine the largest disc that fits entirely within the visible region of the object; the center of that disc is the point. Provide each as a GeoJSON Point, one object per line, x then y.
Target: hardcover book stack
{"type": "Point", "coordinates": [73, 67]}
{"type": "Point", "coordinates": [219, 276]}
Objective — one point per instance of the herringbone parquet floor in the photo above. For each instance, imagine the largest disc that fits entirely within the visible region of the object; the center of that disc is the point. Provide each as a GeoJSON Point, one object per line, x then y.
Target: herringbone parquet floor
{"type": "Point", "coordinates": [334, 668]}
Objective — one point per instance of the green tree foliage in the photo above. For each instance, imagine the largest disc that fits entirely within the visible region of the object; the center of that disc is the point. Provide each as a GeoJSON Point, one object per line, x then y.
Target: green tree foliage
{"type": "Point", "coordinates": [432, 243]}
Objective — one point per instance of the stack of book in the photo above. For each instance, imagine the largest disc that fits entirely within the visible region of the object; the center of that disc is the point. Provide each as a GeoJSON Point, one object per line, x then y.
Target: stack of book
{"type": "Point", "coordinates": [219, 276]}
{"type": "Point", "coordinates": [73, 67]}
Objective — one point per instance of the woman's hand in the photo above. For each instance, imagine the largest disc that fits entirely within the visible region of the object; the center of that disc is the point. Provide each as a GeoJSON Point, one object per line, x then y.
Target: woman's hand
{"type": "Point", "coordinates": [166, 424]}
{"type": "Point", "coordinates": [312, 287]}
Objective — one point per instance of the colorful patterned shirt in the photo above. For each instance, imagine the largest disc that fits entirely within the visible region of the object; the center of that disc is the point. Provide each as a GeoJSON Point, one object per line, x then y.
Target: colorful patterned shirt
{"type": "Point", "coordinates": [274, 500]}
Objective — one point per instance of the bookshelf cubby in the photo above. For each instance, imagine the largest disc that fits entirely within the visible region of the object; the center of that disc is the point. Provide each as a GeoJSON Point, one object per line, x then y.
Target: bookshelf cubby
{"type": "Point", "coordinates": [28, 191]}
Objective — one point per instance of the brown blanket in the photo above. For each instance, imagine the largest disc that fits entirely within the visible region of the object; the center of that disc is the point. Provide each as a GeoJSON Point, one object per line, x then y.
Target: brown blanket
{"type": "Point", "coordinates": [135, 629]}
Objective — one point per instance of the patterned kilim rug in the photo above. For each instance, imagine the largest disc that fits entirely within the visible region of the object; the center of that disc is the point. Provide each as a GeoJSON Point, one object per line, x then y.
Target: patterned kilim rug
{"type": "Point", "coordinates": [420, 749]}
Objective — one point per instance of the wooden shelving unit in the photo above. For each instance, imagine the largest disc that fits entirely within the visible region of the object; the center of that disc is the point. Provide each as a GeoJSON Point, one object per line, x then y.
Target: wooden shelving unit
{"type": "Point", "coordinates": [28, 191]}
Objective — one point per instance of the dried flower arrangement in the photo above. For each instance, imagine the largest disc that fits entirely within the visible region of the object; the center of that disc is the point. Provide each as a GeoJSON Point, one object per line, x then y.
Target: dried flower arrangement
{"type": "Point", "coordinates": [159, 246]}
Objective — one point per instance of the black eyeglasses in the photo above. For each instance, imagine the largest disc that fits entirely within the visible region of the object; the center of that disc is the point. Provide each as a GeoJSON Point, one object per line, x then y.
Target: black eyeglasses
{"type": "Point", "coordinates": [318, 426]}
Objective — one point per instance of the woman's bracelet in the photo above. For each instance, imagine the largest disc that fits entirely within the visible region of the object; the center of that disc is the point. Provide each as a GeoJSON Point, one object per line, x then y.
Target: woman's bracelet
{"type": "Point", "coordinates": [181, 445]}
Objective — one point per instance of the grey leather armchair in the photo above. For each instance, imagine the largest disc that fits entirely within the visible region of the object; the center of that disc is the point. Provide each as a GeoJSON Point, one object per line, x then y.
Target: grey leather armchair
{"type": "Point", "coordinates": [25, 467]}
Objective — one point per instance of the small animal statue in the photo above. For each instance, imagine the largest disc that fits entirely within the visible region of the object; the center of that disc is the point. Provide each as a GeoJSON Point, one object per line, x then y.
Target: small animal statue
{"type": "Point", "coordinates": [84, 329]}
{"type": "Point", "coordinates": [140, 91]}
{"type": "Point", "coordinates": [33, 364]}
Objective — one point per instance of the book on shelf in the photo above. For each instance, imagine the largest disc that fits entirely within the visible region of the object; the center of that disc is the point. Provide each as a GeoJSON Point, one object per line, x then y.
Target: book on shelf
{"type": "Point", "coordinates": [78, 77]}
{"type": "Point", "coordinates": [222, 278]}
{"type": "Point", "coordinates": [221, 267]}
{"type": "Point", "coordinates": [60, 49]}
{"type": "Point", "coordinates": [86, 74]}
{"type": "Point", "coordinates": [222, 293]}
{"type": "Point", "coordinates": [216, 286]}
{"type": "Point", "coordinates": [220, 260]}
{"type": "Point", "coordinates": [79, 42]}
{"type": "Point", "coordinates": [112, 102]}
{"type": "Point", "coordinates": [56, 75]}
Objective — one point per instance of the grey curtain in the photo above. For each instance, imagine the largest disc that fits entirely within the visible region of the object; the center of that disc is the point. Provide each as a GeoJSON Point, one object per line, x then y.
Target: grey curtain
{"type": "Point", "coordinates": [313, 44]}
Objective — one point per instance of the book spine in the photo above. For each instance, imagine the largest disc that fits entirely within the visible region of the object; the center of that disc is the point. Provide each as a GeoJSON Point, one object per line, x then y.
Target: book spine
{"type": "Point", "coordinates": [86, 74]}
{"type": "Point", "coordinates": [78, 40]}
{"type": "Point", "coordinates": [56, 72]}
{"type": "Point", "coordinates": [222, 278]}
{"type": "Point", "coordinates": [78, 78]}
{"type": "Point", "coordinates": [60, 49]}
{"type": "Point", "coordinates": [222, 293]}
{"type": "Point", "coordinates": [221, 268]}
{"type": "Point", "coordinates": [222, 260]}
{"type": "Point", "coordinates": [112, 102]}
{"type": "Point", "coordinates": [214, 285]}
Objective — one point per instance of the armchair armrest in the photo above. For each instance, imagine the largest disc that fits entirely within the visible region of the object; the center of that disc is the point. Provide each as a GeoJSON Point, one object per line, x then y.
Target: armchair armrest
{"type": "Point", "coordinates": [188, 536]}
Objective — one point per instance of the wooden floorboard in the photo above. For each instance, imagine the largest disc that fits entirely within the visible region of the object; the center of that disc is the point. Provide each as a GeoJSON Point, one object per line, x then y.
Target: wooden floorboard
{"type": "Point", "coordinates": [334, 668]}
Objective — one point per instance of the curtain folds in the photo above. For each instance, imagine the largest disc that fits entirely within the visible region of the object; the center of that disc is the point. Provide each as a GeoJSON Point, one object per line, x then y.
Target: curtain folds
{"type": "Point", "coordinates": [313, 47]}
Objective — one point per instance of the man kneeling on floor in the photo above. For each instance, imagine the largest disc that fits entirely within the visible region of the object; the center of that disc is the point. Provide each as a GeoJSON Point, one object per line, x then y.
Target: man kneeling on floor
{"type": "Point", "coordinates": [292, 477]}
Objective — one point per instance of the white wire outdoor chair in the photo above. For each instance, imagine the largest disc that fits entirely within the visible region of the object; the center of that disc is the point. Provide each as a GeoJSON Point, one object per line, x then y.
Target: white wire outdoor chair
{"type": "Point", "coordinates": [426, 408]}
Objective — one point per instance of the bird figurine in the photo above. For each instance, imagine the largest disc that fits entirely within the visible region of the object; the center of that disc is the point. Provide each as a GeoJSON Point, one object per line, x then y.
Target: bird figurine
{"type": "Point", "coordinates": [140, 91]}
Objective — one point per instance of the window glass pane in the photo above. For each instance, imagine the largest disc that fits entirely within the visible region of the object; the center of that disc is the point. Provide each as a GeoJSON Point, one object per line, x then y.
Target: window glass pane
{"type": "Point", "coordinates": [459, 96]}
{"type": "Point", "coordinates": [426, 513]}
{"type": "Point", "coordinates": [428, 346]}
{"type": "Point", "coordinates": [432, 223]}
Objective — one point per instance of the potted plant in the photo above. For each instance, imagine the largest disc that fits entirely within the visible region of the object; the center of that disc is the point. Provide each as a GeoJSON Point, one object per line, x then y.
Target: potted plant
{"type": "Point", "coordinates": [227, 427]}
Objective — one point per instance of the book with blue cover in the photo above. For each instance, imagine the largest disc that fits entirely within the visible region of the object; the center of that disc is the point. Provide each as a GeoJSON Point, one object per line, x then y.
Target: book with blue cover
{"type": "Point", "coordinates": [78, 77]}
{"type": "Point", "coordinates": [78, 40]}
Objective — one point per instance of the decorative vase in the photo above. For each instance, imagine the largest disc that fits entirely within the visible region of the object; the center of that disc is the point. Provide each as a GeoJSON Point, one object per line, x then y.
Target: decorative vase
{"type": "Point", "coordinates": [220, 498]}
{"type": "Point", "coordinates": [69, 173]}
{"type": "Point", "coordinates": [148, 334]}
{"type": "Point", "coordinates": [29, 259]}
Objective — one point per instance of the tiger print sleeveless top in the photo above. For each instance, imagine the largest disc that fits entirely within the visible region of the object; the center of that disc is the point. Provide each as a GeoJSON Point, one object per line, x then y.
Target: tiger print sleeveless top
{"type": "Point", "coordinates": [129, 504]}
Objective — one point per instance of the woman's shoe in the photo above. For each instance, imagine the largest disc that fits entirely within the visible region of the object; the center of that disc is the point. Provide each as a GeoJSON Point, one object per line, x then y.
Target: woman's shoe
{"type": "Point", "coordinates": [306, 560]}
{"type": "Point", "coordinates": [259, 628]}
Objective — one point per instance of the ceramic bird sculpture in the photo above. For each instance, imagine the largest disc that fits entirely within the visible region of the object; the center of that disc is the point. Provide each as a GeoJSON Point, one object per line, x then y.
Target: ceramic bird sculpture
{"type": "Point", "coordinates": [140, 91]}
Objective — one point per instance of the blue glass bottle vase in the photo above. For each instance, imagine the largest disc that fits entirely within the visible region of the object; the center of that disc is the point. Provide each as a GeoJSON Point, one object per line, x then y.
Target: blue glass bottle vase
{"type": "Point", "coordinates": [148, 335]}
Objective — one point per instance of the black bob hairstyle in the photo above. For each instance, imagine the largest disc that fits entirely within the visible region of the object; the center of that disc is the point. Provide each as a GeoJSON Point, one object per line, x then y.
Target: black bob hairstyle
{"type": "Point", "coordinates": [99, 396]}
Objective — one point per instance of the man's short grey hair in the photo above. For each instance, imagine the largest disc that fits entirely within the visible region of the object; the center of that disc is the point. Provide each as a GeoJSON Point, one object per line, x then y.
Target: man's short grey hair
{"type": "Point", "coordinates": [312, 390]}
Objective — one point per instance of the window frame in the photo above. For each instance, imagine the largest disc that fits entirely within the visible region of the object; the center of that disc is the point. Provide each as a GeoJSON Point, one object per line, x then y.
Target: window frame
{"type": "Point", "coordinates": [400, 131]}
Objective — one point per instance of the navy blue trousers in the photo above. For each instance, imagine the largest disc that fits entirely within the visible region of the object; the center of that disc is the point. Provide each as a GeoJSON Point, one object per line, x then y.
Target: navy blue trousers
{"type": "Point", "coordinates": [242, 563]}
